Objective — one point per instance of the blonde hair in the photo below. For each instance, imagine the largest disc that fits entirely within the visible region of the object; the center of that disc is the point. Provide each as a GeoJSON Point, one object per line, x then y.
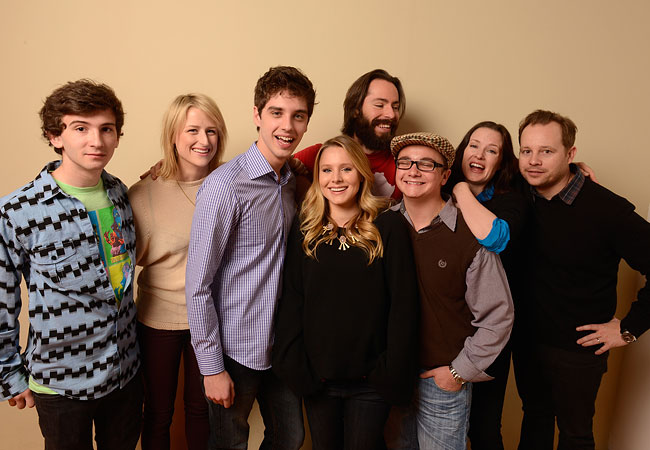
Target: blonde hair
{"type": "Point", "coordinates": [173, 122]}
{"type": "Point", "coordinates": [314, 213]}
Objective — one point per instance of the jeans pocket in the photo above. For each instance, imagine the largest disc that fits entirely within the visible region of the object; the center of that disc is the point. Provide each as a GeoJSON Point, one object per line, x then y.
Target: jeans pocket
{"type": "Point", "coordinates": [460, 387]}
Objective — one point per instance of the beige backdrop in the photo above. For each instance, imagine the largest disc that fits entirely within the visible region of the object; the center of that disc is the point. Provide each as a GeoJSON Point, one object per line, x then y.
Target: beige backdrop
{"type": "Point", "coordinates": [460, 62]}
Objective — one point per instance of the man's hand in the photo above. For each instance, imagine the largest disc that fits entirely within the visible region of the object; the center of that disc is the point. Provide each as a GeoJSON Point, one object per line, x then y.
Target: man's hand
{"type": "Point", "coordinates": [220, 389]}
{"type": "Point", "coordinates": [298, 168]}
{"type": "Point", "coordinates": [587, 171]}
{"type": "Point", "coordinates": [153, 171]}
{"type": "Point", "coordinates": [608, 334]}
{"type": "Point", "coordinates": [443, 378]}
{"type": "Point", "coordinates": [23, 399]}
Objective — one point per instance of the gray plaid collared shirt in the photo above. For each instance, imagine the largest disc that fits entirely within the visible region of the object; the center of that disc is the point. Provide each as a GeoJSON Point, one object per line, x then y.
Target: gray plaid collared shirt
{"type": "Point", "coordinates": [571, 190]}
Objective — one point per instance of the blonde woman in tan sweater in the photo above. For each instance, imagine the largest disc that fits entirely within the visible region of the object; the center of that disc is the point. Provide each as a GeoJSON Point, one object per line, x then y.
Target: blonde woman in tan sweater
{"type": "Point", "coordinates": [193, 141]}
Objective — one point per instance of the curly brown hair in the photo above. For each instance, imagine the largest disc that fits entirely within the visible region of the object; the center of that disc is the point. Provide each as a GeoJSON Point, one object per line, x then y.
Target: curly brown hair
{"type": "Point", "coordinates": [82, 97]}
{"type": "Point", "coordinates": [284, 78]}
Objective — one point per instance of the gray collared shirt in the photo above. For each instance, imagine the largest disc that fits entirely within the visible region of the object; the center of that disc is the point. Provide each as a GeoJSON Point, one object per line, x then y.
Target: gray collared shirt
{"type": "Point", "coordinates": [488, 298]}
{"type": "Point", "coordinates": [237, 244]}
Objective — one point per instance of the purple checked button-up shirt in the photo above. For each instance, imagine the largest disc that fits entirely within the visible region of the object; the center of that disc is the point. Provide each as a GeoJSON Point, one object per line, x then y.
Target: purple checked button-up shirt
{"type": "Point", "coordinates": [234, 267]}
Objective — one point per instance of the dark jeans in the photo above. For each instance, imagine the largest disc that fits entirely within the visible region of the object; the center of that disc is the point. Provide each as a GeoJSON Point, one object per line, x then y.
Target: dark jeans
{"type": "Point", "coordinates": [557, 383]}
{"type": "Point", "coordinates": [280, 408]}
{"type": "Point", "coordinates": [67, 424]}
{"type": "Point", "coordinates": [487, 405]}
{"type": "Point", "coordinates": [348, 416]}
{"type": "Point", "coordinates": [161, 352]}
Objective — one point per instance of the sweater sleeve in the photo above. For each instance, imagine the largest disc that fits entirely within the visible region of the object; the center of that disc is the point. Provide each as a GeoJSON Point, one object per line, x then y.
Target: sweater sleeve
{"type": "Point", "coordinates": [395, 373]}
{"type": "Point", "coordinates": [289, 357]}
{"type": "Point", "coordinates": [632, 242]}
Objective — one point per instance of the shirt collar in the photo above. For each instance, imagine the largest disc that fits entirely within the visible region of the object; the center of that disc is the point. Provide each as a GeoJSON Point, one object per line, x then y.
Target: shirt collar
{"type": "Point", "coordinates": [571, 190]}
{"type": "Point", "coordinates": [258, 166]}
{"type": "Point", "coordinates": [46, 184]}
{"type": "Point", "coordinates": [447, 215]}
{"type": "Point", "coordinates": [486, 194]}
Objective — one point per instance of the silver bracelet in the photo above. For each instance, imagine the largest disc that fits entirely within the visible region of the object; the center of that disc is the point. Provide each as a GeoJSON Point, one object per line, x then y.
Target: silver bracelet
{"type": "Point", "coordinates": [457, 377]}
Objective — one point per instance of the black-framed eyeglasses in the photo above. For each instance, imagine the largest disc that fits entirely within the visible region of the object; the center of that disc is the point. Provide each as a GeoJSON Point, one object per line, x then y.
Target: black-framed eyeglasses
{"type": "Point", "coordinates": [424, 165]}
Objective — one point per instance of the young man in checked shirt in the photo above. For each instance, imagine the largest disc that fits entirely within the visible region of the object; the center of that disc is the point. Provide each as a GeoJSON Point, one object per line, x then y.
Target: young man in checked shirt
{"type": "Point", "coordinates": [243, 214]}
{"type": "Point", "coordinates": [69, 233]}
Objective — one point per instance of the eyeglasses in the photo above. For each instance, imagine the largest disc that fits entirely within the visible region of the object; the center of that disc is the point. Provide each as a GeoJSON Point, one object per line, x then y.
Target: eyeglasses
{"type": "Point", "coordinates": [424, 164]}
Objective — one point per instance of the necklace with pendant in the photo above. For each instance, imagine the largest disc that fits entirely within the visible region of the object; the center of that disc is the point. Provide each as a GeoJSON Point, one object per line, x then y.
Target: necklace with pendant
{"type": "Point", "coordinates": [342, 238]}
{"type": "Point", "coordinates": [185, 194]}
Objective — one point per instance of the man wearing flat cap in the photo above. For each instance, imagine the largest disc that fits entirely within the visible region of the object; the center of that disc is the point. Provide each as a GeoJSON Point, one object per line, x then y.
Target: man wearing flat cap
{"type": "Point", "coordinates": [466, 308]}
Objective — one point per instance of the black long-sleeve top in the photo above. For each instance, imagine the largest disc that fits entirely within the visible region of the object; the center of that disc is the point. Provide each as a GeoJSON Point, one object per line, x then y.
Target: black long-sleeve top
{"type": "Point", "coordinates": [340, 319]}
{"type": "Point", "coordinates": [572, 264]}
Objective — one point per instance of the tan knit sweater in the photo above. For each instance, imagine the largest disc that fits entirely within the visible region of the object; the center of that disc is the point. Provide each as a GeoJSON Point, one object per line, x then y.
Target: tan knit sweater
{"type": "Point", "coordinates": [163, 217]}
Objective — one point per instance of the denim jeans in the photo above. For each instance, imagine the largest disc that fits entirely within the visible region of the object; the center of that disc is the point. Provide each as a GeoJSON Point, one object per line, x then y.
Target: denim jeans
{"type": "Point", "coordinates": [280, 408]}
{"type": "Point", "coordinates": [442, 417]}
{"type": "Point", "coordinates": [68, 423]}
{"type": "Point", "coordinates": [437, 419]}
{"type": "Point", "coordinates": [349, 416]}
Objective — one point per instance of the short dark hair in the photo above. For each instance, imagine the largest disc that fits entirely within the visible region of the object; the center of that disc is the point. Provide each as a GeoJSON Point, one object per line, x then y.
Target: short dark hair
{"type": "Point", "coordinates": [504, 177]}
{"type": "Point", "coordinates": [543, 117]}
{"type": "Point", "coordinates": [284, 78]}
{"type": "Point", "coordinates": [82, 97]}
{"type": "Point", "coordinates": [357, 94]}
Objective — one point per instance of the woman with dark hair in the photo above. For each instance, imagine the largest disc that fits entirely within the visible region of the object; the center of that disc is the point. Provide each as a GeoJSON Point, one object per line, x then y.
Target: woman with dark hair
{"type": "Point", "coordinates": [485, 181]}
{"type": "Point", "coordinates": [345, 333]}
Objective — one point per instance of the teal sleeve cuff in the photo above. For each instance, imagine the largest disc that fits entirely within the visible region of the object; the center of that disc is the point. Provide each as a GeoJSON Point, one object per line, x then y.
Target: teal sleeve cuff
{"type": "Point", "coordinates": [498, 238]}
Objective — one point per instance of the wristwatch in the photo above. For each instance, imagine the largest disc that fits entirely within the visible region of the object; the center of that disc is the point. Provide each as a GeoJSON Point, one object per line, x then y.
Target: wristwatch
{"type": "Point", "coordinates": [628, 337]}
{"type": "Point", "coordinates": [457, 377]}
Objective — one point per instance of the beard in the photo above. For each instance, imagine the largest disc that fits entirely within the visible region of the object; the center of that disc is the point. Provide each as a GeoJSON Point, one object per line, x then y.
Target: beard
{"type": "Point", "coordinates": [365, 132]}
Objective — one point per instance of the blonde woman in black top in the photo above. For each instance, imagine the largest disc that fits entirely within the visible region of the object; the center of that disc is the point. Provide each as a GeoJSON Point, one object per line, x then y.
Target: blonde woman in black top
{"type": "Point", "coordinates": [346, 335]}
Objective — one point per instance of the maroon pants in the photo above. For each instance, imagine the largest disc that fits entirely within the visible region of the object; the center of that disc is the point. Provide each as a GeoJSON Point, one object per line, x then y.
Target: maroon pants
{"type": "Point", "coordinates": [161, 354]}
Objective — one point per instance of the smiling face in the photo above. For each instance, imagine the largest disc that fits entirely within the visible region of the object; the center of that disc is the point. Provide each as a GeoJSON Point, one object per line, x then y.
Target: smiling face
{"type": "Point", "coordinates": [87, 144]}
{"type": "Point", "coordinates": [543, 159]}
{"type": "Point", "coordinates": [196, 144]}
{"type": "Point", "coordinates": [282, 123]}
{"type": "Point", "coordinates": [416, 184]}
{"type": "Point", "coordinates": [482, 158]}
{"type": "Point", "coordinates": [379, 116]}
{"type": "Point", "coordinates": [339, 179]}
